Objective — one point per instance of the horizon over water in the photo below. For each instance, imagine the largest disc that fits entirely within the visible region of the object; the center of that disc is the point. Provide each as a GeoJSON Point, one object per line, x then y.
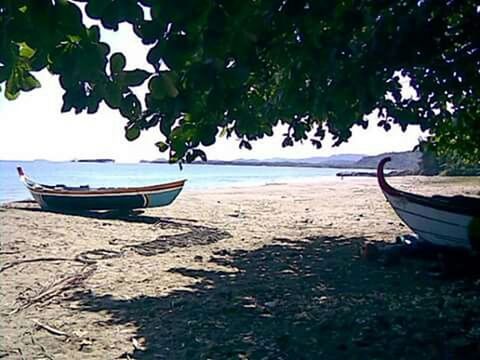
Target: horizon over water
{"type": "Point", "coordinates": [140, 174]}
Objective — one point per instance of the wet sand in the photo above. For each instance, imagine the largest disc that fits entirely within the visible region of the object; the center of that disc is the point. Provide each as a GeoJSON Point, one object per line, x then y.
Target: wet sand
{"type": "Point", "coordinates": [261, 272]}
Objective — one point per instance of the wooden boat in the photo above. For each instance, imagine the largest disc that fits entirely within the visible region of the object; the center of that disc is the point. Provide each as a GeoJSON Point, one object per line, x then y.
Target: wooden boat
{"type": "Point", "coordinates": [67, 198]}
{"type": "Point", "coordinates": [444, 221]}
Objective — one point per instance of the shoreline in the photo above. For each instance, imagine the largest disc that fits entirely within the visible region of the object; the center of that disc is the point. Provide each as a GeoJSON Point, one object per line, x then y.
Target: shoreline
{"type": "Point", "coordinates": [400, 180]}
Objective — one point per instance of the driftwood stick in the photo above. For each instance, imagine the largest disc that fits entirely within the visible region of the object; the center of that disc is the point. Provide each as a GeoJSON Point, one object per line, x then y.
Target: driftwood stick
{"type": "Point", "coordinates": [44, 351]}
{"type": "Point", "coordinates": [86, 257]}
{"type": "Point", "coordinates": [50, 329]}
{"type": "Point", "coordinates": [55, 289]}
{"type": "Point", "coordinates": [8, 265]}
{"type": "Point", "coordinates": [9, 252]}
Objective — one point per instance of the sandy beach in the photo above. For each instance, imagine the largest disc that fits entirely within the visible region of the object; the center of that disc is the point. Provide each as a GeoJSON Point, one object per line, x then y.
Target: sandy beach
{"type": "Point", "coordinates": [269, 272]}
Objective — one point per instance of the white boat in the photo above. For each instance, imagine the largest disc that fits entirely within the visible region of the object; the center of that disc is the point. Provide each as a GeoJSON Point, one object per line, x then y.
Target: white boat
{"type": "Point", "coordinates": [443, 221]}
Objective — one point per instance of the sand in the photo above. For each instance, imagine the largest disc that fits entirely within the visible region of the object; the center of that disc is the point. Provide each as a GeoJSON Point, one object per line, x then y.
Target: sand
{"type": "Point", "coordinates": [259, 272]}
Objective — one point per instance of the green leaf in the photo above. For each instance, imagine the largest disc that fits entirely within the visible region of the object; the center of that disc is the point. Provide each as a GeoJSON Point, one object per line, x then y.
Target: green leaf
{"type": "Point", "coordinates": [156, 87]}
{"type": "Point", "coordinates": [245, 144]}
{"type": "Point", "coordinates": [94, 33]}
{"type": "Point", "coordinates": [12, 88]}
{"type": "Point", "coordinates": [130, 107]}
{"type": "Point", "coordinates": [95, 8]}
{"type": "Point", "coordinates": [26, 51]}
{"type": "Point", "coordinates": [29, 82]}
{"type": "Point", "coordinates": [113, 95]}
{"type": "Point", "coordinates": [162, 147]}
{"type": "Point", "coordinates": [135, 77]}
{"type": "Point", "coordinates": [166, 126]}
{"type": "Point", "coordinates": [117, 63]}
{"type": "Point", "coordinates": [132, 132]}
{"type": "Point", "coordinates": [155, 54]}
{"type": "Point", "coordinates": [4, 74]}
{"type": "Point", "coordinates": [171, 90]}
{"type": "Point", "coordinates": [93, 104]}
{"type": "Point", "coordinates": [199, 153]}
{"type": "Point", "coordinates": [162, 85]}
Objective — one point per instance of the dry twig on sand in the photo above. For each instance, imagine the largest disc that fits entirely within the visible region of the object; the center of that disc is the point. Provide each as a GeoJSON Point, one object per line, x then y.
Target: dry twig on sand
{"type": "Point", "coordinates": [45, 353]}
{"type": "Point", "coordinates": [8, 265]}
{"type": "Point", "coordinates": [86, 258]}
{"type": "Point", "coordinates": [58, 287]}
{"type": "Point", "coordinates": [50, 329]}
{"type": "Point", "coordinates": [9, 252]}
{"type": "Point", "coordinates": [92, 256]}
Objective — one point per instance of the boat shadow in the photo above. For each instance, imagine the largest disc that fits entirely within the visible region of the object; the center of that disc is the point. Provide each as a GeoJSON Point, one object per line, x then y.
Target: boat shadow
{"type": "Point", "coordinates": [307, 299]}
{"type": "Point", "coordinates": [132, 216]}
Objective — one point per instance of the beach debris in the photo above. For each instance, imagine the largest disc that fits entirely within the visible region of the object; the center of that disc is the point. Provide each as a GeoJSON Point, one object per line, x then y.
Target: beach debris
{"type": "Point", "coordinates": [139, 343]}
{"type": "Point", "coordinates": [11, 264]}
{"type": "Point", "coordinates": [55, 288]}
{"type": "Point", "coordinates": [92, 256]}
{"type": "Point", "coordinates": [14, 351]}
{"type": "Point", "coordinates": [126, 356]}
{"type": "Point", "coordinates": [87, 258]}
{"type": "Point", "coordinates": [85, 345]}
{"type": "Point", "coordinates": [51, 329]}
{"type": "Point", "coordinates": [9, 252]}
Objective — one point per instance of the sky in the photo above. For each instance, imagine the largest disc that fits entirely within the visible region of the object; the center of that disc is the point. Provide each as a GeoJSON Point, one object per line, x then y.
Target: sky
{"type": "Point", "coordinates": [32, 127]}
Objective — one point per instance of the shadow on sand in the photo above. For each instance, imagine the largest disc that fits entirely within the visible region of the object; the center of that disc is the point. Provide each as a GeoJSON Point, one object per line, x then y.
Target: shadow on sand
{"type": "Point", "coordinates": [196, 235]}
{"type": "Point", "coordinates": [310, 299]}
{"type": "Point", "coordinates": [190, 233]}
{"type": "Point", "coordinates": [133, 216]}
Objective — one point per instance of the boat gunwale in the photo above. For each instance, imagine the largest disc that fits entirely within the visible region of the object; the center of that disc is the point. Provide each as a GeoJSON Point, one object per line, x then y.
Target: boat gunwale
{"type": "Point", "coordinates": [43, 189]}
{"type": "Point", "coordinates": [110, 191]}
{"type": "Point", "coordinates": [98, 194]}
{"type": "Point", "coordinates": [442, 203]}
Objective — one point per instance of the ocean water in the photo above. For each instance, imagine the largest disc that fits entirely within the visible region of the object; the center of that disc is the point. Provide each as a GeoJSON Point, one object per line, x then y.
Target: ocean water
{"type": "Point", "coordinates": [117, 174]}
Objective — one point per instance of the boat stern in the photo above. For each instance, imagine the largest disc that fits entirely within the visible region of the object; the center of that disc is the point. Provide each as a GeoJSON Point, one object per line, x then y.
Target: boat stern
{"type": "Point", "coordinates": [162, 198]}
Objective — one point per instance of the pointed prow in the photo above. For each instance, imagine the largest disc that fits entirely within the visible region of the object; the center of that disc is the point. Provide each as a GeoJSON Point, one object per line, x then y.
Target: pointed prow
{"type": "Point", "coordinates": [381, 176]}
{"type": "Point", "coordinates": [20, 171]}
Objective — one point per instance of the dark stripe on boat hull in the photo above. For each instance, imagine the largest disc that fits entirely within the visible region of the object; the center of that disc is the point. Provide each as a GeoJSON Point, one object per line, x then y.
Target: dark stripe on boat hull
{"type": "Point", "coordinates": [92, 203]}
{"type": "Point", "coordinates": [397, 209]}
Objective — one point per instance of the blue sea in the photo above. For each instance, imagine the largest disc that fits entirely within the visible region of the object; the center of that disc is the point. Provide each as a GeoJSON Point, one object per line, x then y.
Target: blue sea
{"type": "Point", "coordinates": [117, 174]}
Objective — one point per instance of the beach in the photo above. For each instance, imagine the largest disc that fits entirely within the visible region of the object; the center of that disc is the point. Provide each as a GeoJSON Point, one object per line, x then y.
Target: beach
{"type": "Point", "coordinates": [269, 271]}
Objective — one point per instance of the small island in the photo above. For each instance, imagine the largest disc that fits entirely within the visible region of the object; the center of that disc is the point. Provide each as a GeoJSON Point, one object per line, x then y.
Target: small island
{"type": "Point", "coordinates": [93, 160]}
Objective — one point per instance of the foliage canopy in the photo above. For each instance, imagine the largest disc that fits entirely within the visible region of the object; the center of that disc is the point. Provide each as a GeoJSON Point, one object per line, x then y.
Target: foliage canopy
{"type": "Point", "coordinates": [241, 67]}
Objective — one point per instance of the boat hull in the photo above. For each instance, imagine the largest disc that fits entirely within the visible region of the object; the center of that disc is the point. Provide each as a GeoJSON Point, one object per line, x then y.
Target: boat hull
{"type": "Point", "coordinates": [452, 222]}
{"type": "Point", "coordinates": [438, 227]}
{"type": "Point", "coordinates": [105, 201]}
{"type": "Point", "coordinates": [83, 198]}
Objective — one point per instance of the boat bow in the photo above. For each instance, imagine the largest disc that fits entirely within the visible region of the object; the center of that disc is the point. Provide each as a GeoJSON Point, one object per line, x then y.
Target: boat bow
{"type": "Point", "coordinates": [451, 221]}
{"type": "Point", "coordinates": [381, 178]}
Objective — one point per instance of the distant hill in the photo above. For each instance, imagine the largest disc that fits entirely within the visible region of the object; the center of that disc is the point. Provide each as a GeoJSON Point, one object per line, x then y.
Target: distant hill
{"type": "Point", "coordinates": [407, 160]}
{"type": "Point", "coordinates": [341, 158]}
{"type": "Point", "coordinates": [334, 158]}
{"type": "Point", "coordinates": [336, 161]}
{"type": "Point", "coordinates": [400, 161]}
